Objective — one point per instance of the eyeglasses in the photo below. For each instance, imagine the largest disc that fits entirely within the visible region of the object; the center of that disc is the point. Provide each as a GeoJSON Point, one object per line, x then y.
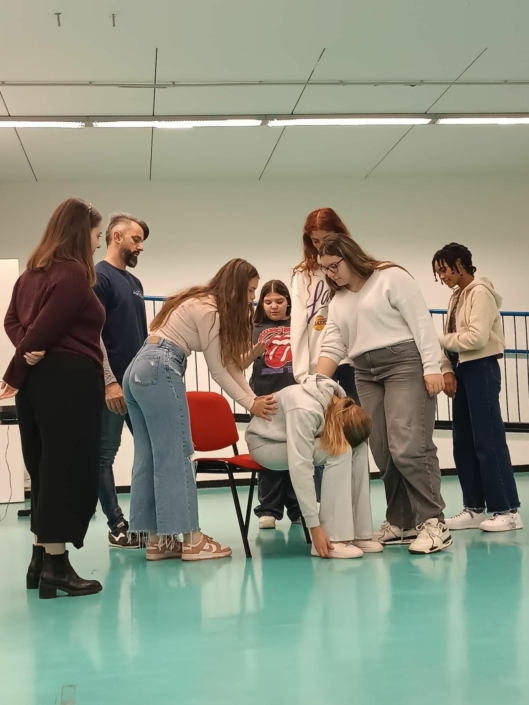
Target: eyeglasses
{"type": "Point", "coordinates": [331, 268]}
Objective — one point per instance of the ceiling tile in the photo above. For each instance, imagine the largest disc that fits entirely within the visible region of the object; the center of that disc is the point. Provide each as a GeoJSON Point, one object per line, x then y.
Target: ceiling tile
{"type": "Point", "coordinates": [447, 149]}
{"type": "Point", "coordinates": [335, 152]}
{"type": "Point", "coordinates": [484, 99]}
{"type": "Point", "coordinates": [227, 100]}
{"type": "Point", "coordinates": [367, 99]}
{"type": "Point", "coordinates": [211, 153]}
{"type": "Point", "coordinates": [89, 154]}
{"type": "Point", "coordinates": [73, 100]}
{"type": "Point", "coordinates": [13, 163]}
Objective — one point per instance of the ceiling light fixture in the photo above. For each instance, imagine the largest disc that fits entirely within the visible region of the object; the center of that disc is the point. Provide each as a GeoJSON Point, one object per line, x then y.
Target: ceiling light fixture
{"type": "Point", "coordinates": [355, 121]}
{"type": "Point", "coordinates": [19, 124]}
{"type": "Point", "coordinates": [178, 124]}
{"type": "Point", "coordinates": [492, 120]}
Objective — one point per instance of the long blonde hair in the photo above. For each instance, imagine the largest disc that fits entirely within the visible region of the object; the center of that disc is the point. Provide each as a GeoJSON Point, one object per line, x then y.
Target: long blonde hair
{"type": "Point", "coordinates": [229, 289]}
{"type": "Point", "coordinates": [346, 424]}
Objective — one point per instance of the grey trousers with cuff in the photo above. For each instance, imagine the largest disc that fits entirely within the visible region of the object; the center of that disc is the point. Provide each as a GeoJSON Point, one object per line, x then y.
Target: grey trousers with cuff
{"type": "Point", "coordinates": [345, 509]}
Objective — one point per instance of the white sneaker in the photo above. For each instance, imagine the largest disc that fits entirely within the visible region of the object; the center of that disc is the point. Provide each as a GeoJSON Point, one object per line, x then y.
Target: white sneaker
{"type": "Point", "coordinates": [342, 549]}
{"type": "Point", "coordinates": [267, 522]}
{"type": "Point", "coordinates": [502, 522]}
{"type": "Point", "coordinates": [390, 535]}
{"type": "Point", "coordinates": [434, 536]}
{"type": "Point", "coordinates": [467, 519]}
{"type": "Point", "coordinates": [368, 545]}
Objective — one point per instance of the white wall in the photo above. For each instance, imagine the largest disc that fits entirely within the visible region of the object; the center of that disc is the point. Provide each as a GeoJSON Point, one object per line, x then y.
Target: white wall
{"type": "Point", "coordinates": [197, 226]}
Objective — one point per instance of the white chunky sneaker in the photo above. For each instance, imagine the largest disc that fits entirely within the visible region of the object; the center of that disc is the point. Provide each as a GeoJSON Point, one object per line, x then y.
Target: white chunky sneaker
{"type": "Point", "coordinates": [502, 522]}
{"type": "Point", "coordinates": [467, 519]}
{"type": "Point", "coordinates": [390, 535]}
{"type": "Point", "coordinates": [434, 536]}
{"type": "Point", "coordinates": [368, 545]}
{"type": "Point", "coordinates": [267, 522]}
{"type": "Point", "coordinates": [342, 549]}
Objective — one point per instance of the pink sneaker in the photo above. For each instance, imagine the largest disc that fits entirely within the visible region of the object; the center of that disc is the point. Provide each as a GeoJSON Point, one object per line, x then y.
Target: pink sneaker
{"type": "Point", "coordinates": [205, 549]}
{"type": "Point", "coordinates": [166, 547]}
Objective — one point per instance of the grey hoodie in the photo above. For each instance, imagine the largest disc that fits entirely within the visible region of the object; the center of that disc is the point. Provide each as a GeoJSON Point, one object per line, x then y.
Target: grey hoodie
{"type": "Point", "coordinates": [479, 331]}
{"type": "Point", "coordinates": [299, 420]}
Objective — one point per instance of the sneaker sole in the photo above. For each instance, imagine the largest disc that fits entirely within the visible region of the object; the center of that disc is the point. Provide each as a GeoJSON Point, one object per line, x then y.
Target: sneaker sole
{"type": "Point", "coordinates": [124, 548]}
{"type": "Point", "coordinates": [397, 542]}
{"type": "Point", "coordinates": [437, 549]}
{"type": "Point", "coordinates": [500, 531]}
{"type": "Point", "coordinates": [206, 556]}
{"type": "Point", "coordinates": [335, 557]}
{"type": "Point", "coordinates": [163, 558]}
{"type": "Point", "coordinates": [266, 528]}
{"type": "Point", "coordinates": [372, 550]}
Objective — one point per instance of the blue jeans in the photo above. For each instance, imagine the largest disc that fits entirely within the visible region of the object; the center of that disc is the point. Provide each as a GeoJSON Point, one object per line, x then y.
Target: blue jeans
{"type": "Point", "coordinates": [163, 491]}
{"type": "Point", "coordinates": [481, 454]}
{"type": "Point", "coordinates": [111, 429]}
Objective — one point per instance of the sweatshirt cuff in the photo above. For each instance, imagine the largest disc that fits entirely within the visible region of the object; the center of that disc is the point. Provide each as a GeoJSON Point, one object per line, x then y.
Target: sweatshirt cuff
{"type": "Point", "coordinates": [432, 369]}
{"type": "Point", "coordinates": [446, 367]}
{"type": "Point", "coordinates": [312, 520]}
{"type": "Point", "coordinates": [248, 402]}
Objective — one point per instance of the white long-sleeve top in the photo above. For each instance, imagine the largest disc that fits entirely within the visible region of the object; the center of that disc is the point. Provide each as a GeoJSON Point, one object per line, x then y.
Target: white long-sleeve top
{"type": "Point", "coordinates": [389, 309]}
{"type": "Point", "coordinates": [310, 310]}
{"type": "Point", "coordinates": [194, 325]}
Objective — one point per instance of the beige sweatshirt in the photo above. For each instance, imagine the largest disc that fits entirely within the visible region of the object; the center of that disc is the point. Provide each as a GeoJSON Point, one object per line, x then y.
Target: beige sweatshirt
{"type": "Point", "coordinates": [194, 325]}
{"type": "Point", "coordinates": [479, 332]}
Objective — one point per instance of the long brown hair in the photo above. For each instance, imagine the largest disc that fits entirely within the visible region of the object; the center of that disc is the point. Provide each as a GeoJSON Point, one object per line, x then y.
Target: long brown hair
{"type": "Point", "coordinates": [346, 424]}
{"type": "Point", "coordinates": [229, 289]}
{"type": "Point", "coordinates": [67, 237]}
{"type": "Point", "coordinates": [274, 286]}
{"type": "Point", "coordinates": [354, 256]}
{"type": "Point", "coordinates": [325, 219]}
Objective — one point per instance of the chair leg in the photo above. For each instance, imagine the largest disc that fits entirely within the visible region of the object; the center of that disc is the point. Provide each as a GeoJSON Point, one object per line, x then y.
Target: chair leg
{"type": "Point", "coordinates": [305, 529]}
{"type": "Point", "coordinates": [239, 513]}
{"type": "Point", "coordinates": [250, 502]}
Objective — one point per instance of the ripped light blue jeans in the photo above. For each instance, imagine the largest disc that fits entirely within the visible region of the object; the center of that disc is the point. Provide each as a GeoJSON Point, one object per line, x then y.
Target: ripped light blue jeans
{"type": "Point", "coordinates": [163, 490]}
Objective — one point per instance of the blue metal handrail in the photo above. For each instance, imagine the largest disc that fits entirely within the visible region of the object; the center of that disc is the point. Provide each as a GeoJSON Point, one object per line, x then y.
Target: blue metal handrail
{"type": "Point", "coordinates": [515, 370]}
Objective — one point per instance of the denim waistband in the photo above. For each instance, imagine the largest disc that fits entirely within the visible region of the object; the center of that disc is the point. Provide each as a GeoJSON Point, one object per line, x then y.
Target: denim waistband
{"type": "Point", "coordinates": [166, 345]}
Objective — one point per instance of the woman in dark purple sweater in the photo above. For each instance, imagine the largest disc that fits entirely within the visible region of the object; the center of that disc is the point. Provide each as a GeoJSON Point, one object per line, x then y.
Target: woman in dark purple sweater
{"type": "Point", "coordinates": [55, 321]}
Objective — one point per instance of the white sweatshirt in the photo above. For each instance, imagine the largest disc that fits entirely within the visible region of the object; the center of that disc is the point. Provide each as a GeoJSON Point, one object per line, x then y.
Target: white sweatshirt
{"type": "Point", "coordinates": [299, 420]}
{"type": "Point", "coordinates": [310, 309]}
{"type": "Point", "coordinates": [194, 325]}
{"type": "Point", "coordinates": [389, 309]}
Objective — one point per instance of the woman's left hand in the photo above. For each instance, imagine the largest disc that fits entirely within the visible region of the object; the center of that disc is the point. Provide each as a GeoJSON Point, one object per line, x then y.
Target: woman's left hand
{"type": "Point", "coordinates": [32, 358]}
{"type": "Point", "coordinates": [434, 384]}
{"type": "Point", "coordinates": [7, 391]}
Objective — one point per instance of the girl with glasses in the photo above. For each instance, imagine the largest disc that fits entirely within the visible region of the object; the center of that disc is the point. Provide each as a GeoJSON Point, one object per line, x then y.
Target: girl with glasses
{"type": "Point", "coordinates": [379, 320]}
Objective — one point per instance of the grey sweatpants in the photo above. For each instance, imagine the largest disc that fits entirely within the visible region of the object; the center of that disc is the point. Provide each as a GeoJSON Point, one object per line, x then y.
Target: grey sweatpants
{"type": "Point", "coordinates": [345, 509]}
{"type": "Point", "coordinates": [390, 383]}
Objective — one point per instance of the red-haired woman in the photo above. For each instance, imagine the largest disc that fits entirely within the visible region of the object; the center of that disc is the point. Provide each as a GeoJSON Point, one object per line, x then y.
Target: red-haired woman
{"type": "Point", "coordinates": [311, 296]}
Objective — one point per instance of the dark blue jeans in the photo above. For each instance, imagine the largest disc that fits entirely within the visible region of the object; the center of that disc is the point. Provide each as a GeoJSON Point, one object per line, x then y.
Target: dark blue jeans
{"type": "Point", "coordinates": [345, 376]}
{"type": "Point", "coordinates": [112, 428]}
{"type": "Point", "coordinates": [275, 493]}
{"type": "Point", "coordinates": [481, 454]}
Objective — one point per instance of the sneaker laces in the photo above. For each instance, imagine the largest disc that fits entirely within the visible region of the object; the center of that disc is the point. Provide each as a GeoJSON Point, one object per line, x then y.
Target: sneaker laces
{"type": "Point", "coordinates": [462, 514]}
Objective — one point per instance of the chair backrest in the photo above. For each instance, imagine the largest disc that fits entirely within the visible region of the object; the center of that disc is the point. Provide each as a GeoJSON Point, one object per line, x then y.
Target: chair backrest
{"type": "Point", "coordinates": [213, 425]}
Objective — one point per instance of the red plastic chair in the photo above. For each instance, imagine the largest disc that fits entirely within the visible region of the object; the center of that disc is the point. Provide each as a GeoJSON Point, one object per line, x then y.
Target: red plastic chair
{"type": "Point", "coordinates": [213, 428]}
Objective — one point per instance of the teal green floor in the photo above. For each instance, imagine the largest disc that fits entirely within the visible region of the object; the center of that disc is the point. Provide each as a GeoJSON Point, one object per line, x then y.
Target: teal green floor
{"type": "Point", "coordinates": [452, 628]}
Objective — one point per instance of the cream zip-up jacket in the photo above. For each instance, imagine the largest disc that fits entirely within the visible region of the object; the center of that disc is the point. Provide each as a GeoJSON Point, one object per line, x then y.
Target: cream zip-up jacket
{"type": "Point", "coordinates": [479, 332]}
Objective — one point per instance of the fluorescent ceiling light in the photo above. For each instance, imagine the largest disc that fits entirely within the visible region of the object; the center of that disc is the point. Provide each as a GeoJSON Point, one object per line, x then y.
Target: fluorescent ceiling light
{"type": "Point", "coordinates": [294, 122]}
{"type": "Point", "coordinates": [40, 123]}
{"type": "Point", "coordinates": [483, 121]}
{"type": "Point", "coordinates": [179, 124]}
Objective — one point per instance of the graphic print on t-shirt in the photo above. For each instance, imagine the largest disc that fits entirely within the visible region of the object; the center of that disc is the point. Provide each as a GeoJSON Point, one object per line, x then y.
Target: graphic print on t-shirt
{"type": "Point", "coordinates": [278, 351]}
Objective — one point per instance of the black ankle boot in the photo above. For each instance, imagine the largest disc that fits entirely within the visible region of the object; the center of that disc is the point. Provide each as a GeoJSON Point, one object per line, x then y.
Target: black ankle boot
{"type": "Point", "coordinates": [58, 574]}
{"type": "Point", "coordinates": [35, 568]}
